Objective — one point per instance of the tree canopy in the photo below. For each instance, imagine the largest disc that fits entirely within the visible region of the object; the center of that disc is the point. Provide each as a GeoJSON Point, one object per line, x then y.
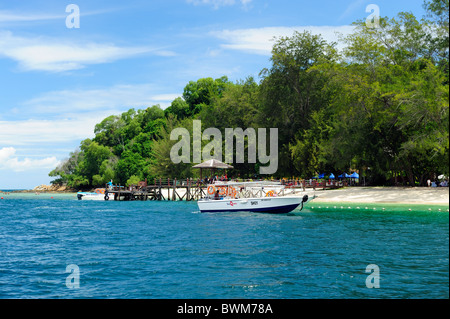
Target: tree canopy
{"type": "Point", "coordinates": [380, 106]}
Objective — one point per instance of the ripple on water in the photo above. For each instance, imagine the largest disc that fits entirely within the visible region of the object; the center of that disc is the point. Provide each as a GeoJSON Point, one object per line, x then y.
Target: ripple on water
{"type": "Point", "coordinates": [169, 250]}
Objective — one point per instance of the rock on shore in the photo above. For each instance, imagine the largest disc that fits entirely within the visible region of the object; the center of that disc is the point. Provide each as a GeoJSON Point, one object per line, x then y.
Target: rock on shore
{"type": "Point", "coordinates": [51, 188]}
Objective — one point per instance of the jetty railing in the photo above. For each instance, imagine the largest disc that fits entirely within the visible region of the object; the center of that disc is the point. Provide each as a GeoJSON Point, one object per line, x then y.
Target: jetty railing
{"type": "Point", "coordinates": [161, 189]}
{"type": "Point", "coordinates": [190, 189]}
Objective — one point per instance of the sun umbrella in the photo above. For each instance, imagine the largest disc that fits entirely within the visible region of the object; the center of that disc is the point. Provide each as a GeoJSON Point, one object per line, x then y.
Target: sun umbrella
{"type": "Point", "coordinates": [212, 164]}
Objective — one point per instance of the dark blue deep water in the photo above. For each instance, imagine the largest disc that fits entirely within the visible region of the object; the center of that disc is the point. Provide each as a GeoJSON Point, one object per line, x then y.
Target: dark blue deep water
{"type": "Point", "coordinates": [169, 250]}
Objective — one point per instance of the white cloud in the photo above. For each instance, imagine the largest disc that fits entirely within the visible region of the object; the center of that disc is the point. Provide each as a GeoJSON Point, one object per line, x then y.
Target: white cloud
{"type": "Point", "coordinates": [34, 132]}
{"type": "Point", "coordinates": [6, 153]}
{"type": "Point", "coordinates": [71, 115]}
{"type": "Point", "coordinates": [261, 40]}
{"type": "Point", "coordinates": [10, 16]}
{"type": "Point", "coordinates": [165, 98]}
{"type": "Point", "coordinates": [9, 161]}
{"type": "Point", "coordinates": [58, 55]}
{"type": "Point", "coordinates": [76, 102]}
{"type": "Point", "coordinates": [7, 16]}
{"type": "Point", "coordinates": [218, 3]}
{"type": "Point", "coordinates": [351, 8]}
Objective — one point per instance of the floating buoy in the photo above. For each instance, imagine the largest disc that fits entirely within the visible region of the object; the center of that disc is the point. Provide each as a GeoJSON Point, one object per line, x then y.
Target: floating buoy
{"type": "Point", "coordinates": [384, 208]}
{"type": "Point", "coordinates": [51, 197]}
{"type": "Point", "coordinates": [410, 209]}
{"type": "Point", "coordinates": [2, 198]}
{"type": "Point", "coordinates": [429, 209]}
{"type": "Point", "coordinates": [357, 207]}
{"type": "Point", "coordinates": [349, 207]}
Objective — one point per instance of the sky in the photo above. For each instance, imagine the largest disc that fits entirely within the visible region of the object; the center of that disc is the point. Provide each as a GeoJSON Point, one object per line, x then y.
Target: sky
{"type": "Point", "coordinates": [59, 78]}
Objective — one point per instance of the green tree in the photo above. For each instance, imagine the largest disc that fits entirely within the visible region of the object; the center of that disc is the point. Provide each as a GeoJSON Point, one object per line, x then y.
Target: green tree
{"type": "Point", "coordinates": [179, 107]}
{"type": "Point", "coordinates": [392, 110]}
{"type": "Point", "coordinates": [66, 168]}
{"type": "Point", "coordinates": [289, 92]}
{"type": "Point", "coordinates": [200, 93]}
{"type": "Point", "coordinates": [94, 156]}
{"type": "Point", "coordinates": [133, 180]}
{"type": "Point", "coordinates": [161, 163]}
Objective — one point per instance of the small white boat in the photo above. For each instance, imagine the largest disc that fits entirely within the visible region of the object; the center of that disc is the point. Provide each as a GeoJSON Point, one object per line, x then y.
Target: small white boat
{"type": "Point", "coordinates": [250, 198]}
{"type": "Point", "coordinates": [278, 205]}
{"type": "Point", "coordinates": [98, 194]}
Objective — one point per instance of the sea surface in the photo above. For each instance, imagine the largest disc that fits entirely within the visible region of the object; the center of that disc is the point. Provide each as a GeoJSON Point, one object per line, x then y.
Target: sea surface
{"type": "Point", "coordinates": [54, 246]}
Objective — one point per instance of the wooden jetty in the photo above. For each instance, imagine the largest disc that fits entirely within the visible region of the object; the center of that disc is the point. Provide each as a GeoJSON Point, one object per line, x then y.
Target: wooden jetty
{"type": "Point", "coordinates": [187, 189]}
{"type": "Point", "coordinates": [168, 190]}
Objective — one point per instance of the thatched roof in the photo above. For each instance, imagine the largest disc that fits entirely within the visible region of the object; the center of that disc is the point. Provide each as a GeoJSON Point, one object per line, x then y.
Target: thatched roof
{"type": "Point", "coordinates": [212, 163]}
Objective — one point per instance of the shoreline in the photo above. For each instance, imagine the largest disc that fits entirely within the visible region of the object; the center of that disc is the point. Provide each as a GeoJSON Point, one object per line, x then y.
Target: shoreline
{"type": "Point", "coordinates": [385, 195]}
{"type": "Point", "coordinates": [437, 196]}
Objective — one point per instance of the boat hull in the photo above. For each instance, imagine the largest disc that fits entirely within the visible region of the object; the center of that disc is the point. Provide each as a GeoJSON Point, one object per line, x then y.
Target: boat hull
{"type": "Point", "coordinates": [90, 196]}
{"type": "Point", "coordinates": [273, 205]}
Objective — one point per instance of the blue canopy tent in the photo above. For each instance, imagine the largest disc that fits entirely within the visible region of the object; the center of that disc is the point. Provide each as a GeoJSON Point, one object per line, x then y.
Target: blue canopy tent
{"type": "Point", "coordinates": [332, 176]}
{"type": "Point", "coordinates": [344, 175]}
{"type": "Point", "coordinates": [354, 175]}
{"type": "Point", "coordinates": [321, 175]}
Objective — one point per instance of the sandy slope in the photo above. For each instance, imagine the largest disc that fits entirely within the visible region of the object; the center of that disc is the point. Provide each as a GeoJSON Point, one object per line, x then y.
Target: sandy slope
{"type": "Point", "coordinates": [401, 195]}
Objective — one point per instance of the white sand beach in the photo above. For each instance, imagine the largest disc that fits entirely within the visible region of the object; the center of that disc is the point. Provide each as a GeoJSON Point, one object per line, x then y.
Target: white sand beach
{"type": "Point", "coordinates": [392, 195]}
{"type": "Point", "coordinates": [388, 195]}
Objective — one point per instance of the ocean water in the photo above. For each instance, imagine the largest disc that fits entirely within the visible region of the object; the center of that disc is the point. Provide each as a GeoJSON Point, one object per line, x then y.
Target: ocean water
{"type": "Point", "coordinates": [170, 250]}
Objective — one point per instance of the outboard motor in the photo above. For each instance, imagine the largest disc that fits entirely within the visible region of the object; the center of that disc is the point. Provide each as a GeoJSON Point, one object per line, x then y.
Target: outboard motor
{"type": "Point", "coordinates": [304, 200]}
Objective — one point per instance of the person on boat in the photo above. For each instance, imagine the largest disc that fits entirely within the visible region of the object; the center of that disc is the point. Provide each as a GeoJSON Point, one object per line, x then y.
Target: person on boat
{"type": "Point", "coordinates": [216, 195]}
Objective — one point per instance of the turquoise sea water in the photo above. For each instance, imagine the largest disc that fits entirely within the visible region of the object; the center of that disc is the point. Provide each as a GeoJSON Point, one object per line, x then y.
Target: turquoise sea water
{"type": "Point", "coordinates": [169, 250]}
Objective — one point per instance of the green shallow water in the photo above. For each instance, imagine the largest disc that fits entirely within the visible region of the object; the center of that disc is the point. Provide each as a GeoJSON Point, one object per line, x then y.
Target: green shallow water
{"type": "Point", "coordinates": [169, 250]}
{"type": "Point", "coordinates": [388, 207]}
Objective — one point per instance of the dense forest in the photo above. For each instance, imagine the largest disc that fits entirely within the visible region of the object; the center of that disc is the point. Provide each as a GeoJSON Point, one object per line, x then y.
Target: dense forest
{"type": "Point", "coordinates": [380, 107]}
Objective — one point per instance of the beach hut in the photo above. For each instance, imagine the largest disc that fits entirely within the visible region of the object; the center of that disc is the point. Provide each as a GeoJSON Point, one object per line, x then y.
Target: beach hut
{"type": "Point", "coordinates": [212, 164]}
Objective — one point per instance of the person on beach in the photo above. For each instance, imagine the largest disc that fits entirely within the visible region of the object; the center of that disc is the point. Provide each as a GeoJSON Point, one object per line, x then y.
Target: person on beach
{"type": "Point", "coordinates": [429, 182]}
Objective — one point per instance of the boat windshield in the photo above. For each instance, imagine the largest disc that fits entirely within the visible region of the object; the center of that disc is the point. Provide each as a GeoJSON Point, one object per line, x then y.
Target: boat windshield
{"type": "Point", "coordinates": [220, 190]}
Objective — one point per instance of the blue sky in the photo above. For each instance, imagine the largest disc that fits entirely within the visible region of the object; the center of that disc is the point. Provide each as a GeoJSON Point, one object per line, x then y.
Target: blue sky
{"type": "Point", "coordinates": [56, 83]}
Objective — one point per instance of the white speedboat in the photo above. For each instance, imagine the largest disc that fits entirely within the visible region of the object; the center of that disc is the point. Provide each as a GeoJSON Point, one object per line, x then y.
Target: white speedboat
{"type": "Point", "coordinates": [279, 205]}
{"type": "Point", "coordinates": [98, 194]}
{"type": "Point", "coordinates": [244, 197]}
